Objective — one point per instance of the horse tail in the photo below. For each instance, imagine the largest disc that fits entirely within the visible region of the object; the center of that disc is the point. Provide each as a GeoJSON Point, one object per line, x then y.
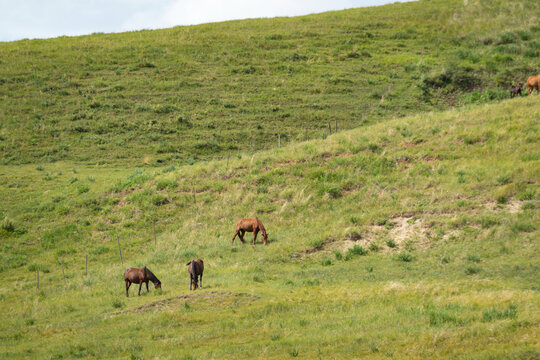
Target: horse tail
{"type": "Point", "coordinates": [188, 263]}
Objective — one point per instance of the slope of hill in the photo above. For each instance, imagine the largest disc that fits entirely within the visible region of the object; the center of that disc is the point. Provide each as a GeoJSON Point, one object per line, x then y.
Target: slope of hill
{"type": "Point", "coordinates": [410, 238]}
{"type": "Point", "coordinates": [178, 95]}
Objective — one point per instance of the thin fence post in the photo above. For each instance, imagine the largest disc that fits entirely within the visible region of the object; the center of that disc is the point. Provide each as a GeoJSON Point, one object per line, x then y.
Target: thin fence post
{"type": "Point", "coordinates": [279, 140]}
{"type": "Point", "coordinates": [336, 127]}
{"type": "Point", "coordinates": [37, 275]}
{"type": "Point", "coordinates": [63, 274]}
{"type": "Point", "coordinates": [193, 191]}
{"type": "Point", "coordinates": [119, 249]}
{"type": "Point", "coordinates": [86, 267]}
{"type": "Point", "coordinates": [155, 240]}
{"type": "Point", "coordinates": [330, 128]}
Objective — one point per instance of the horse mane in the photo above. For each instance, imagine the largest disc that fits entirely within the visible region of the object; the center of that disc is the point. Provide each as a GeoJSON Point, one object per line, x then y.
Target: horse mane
{"type": "Point", "coordinates": [261, 226]}
{"type": "Point", "coordinates": [153, 277]}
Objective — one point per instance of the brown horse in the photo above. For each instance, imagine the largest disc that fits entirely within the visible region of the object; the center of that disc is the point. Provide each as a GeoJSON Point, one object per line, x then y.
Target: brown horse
{"type": "Point", "coordinates": [515, 90]}
{"type": "Point", "coordinates": [253, 225]}
{"type": "Point", "coordinates": [140, 276]}
{"type": "Point", "coordinates": [195, 270]}
{"type": "Point", "coordinates": [533, 82]}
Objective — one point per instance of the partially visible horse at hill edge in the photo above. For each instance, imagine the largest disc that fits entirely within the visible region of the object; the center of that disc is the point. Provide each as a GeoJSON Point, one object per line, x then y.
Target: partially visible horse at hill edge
{"type": "Point", "coordinates": [140, 276]}
{"type": "Point", "coordinates": [253, 225]}
{"type": "Point", "coordinates": [533, 82]}
{"type": "Point", "coordinates": [516, 89]}
{"type": "Point", "coordinates": [195, 270]}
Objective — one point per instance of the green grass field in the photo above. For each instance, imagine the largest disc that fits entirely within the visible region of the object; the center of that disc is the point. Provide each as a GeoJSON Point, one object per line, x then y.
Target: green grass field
{"type": "Point", "coordinates": [413, 235]}
{"type": "Point", "coordinates": [179, 95]}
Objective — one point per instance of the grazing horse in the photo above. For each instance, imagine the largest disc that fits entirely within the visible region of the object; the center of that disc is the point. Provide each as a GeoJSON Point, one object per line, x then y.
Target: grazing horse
{"type": "Point", "coordinates": [253, 225]}
{"type": "Point", "coordinates": [516, 90]}
{"type": "Point", "coordinates": [195, 270]}
{"type": "Point", "coordinates": [140, 276]}
{"type": "Point", "coordinates": [533, 82]}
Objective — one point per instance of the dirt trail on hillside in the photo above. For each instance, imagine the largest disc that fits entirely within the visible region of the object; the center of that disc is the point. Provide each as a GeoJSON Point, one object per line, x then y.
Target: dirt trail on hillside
{"type": "Point", "coordinates": [221, 296]}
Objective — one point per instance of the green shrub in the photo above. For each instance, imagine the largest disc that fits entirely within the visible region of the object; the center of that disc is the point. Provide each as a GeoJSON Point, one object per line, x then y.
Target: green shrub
{"type": "Point", "coordinates": [471, 270]}
{"type": "Point", "coordinates": [488, 221]}
{"type": "Point", "coordinates": [504, 179]}
{"type": "Point", "coordinates": [7, 226]}
{"type": "Point", "coordinates": [118, 304]}
{"type": "Point", "coordinates": [326, 262]}
{"type": "Point", "coordinates": [169, 169]}
{"type": "Point", "coordinates": [494, 314]}
{"type": "Point", "coordinates": [528, 194]}
{"type": "Point", "coordinates": [501, 199]}
{"type": "Point", "coordinates": [159, 200]}
{"type": "Point", "coordinates": [391, 243]}
{"type": "Point", "coordinates": [40, 267]}
{"type": "Point", "coordinates": [443, 317]}
{"type": "Point", "coordinates": [374, 247]}
{"type": "Point", "coordinates": [357, 250]}
{"type": "Point", "coordinates": [333, 190]}
{"type": "Point", "coordinates": [405, 257]}
{"type": "Point", "coordinates": [166, 184]}
{"type": "Point", "coordinates": [83, 188]}
{"type": "Point", "coordinates": [523, 226]}
{"type": "Point", "coordinates": [507, 38]}
{"type": "Point", "coordinates": [473, 258]}
{"type": "Point", "coordinates": [524, 35]}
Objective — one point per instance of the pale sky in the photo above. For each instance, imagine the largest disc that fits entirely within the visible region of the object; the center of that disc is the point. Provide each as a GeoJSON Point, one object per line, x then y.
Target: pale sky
{"type": "Point", "coordinates": [20, 19]}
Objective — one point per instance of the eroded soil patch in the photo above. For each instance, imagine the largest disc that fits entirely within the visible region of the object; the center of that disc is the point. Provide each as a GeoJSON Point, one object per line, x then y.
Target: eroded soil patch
{"type": "Point", "coordinates": [212, 298]}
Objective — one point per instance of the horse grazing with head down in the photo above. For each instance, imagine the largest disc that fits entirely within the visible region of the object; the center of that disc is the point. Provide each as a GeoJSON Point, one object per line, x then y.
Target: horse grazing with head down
{"type": "Point", "coordinates": [533, 82]}
{"type": "Point", "coordinates": [195, 270]}
{"type": "Point", "coordinates": [253, 225]}
{"type": "Point", "coordinates": [140, 276]}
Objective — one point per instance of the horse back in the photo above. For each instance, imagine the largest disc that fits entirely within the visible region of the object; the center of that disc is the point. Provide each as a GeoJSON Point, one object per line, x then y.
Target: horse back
{"type": "Point", "coordinates": [247, 224]}
{"type": "Point", "coordinates": [133, 275]}
{"type": "Point", "coordinates": [533, 81]}
{"type": "Point", "coordinates": [196, 267]}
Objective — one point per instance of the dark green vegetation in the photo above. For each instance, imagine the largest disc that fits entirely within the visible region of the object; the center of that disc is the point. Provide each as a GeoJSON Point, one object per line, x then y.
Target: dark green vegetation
{"type": "Point", "coordinates": [383, 241]}
{"type": "Point", "coordinates": [188, 93]}
{"type": "Point", "coordinates": [413, 237]}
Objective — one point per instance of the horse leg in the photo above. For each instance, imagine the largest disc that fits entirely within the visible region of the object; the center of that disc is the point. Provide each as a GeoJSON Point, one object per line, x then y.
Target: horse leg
{"type": "Point", "coordinates": [140, 286]}
{"type": "Point", "coordinates": [241, 235]}
{"type": "Point", "coordinates": [255, 232]}
{"type": "Point", "coordinates": [200, 284]}
{"type": "Point", "coordinates": [236, 233]}
{"type": "Point", "coordinates": [190, 282]}
{"type": "Point", "coordinates": [128, 284]}
{"type": "Point", "coordinates": [147, 287]}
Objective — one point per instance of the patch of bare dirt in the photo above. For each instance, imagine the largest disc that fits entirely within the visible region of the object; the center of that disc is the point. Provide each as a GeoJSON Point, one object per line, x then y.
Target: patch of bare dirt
{"type": "Point", "coordinates": [402, 229]}
{"type": "Point", "coordinates": [121, 204]}
{"type": "Point", "coordinates": [319, 247]}
{"type": "Point", "coordinates": [406, 228]}
{"type": "Point", "coordinates": [219, 296]}
{"type": "Point", "coordinates": [513, 206]}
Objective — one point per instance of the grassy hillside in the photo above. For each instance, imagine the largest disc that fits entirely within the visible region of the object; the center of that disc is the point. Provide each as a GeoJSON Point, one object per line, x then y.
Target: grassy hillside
{"type": "Point", "coordinates": [410, 238]}
{"type": "Point", "coordinates": [178, 95]}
